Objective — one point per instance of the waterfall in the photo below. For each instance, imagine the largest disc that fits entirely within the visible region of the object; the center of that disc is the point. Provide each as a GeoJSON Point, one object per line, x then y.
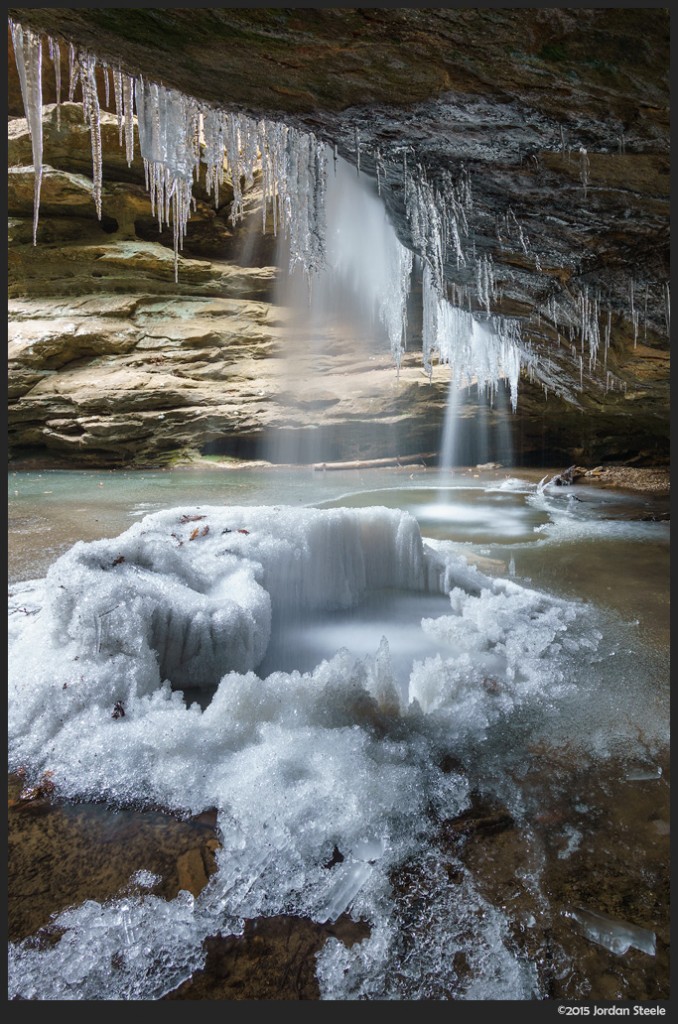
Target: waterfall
{"type": "Point", "coordinates": [448, 451]}
{"type": "Point", "coordinates": [352, 309]}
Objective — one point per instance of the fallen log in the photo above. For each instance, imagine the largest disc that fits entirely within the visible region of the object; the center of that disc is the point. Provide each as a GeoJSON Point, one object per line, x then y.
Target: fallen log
{"type": "Point", "coordinates": [397, 460]}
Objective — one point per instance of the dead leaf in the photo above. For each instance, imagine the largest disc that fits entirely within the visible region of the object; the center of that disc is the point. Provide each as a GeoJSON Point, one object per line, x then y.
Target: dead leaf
{"type": "Point", "coordinates": [118, 560]}
{"type": "Point", "coordinates": [42, 789]}
{"type": "Point", "coordinates": [243, 531]}
{"type": "Point", "coordinates": [195, 533]}
{"type": "Point", "coordinates": [118, 710]}
{"type": "Point", "coordinates": [190, 519]}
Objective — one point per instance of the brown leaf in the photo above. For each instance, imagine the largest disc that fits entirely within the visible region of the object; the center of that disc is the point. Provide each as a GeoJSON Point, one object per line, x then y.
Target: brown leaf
{"type": "Point", "coordinates": [190, 519]}
{"type": "Point", "coordinates": [243, 531]}
{"type": "Point", "coordinates": [118, 560]}
{"type": "Point", "coordinates": [205, 531]}
{"type": "Point", "coordinates": [43, 788]}
{"type": "Point", "coordinates": [195, 533]}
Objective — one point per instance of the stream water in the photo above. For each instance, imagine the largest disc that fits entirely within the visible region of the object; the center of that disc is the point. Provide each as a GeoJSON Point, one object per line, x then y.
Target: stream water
{"type": "Point", "coordinates": [542, 870]}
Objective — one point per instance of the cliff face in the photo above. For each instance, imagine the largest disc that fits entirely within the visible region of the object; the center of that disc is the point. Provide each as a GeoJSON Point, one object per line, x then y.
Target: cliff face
{"type": "Point", "coordinates": [555, 120]}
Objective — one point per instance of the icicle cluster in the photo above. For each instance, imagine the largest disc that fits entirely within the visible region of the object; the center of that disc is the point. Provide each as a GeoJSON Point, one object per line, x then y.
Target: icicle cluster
{"type": "Point", "coordinates": [485, 281]}
{"type": "Point", "coordinates": [179, 136]}
{"type": "Point", "coordinates": [437, 219]}
{"type": "Point", "coordinates": [176, 135]}
{"type": "Point", "coordinates": [511, 234]}
{"type": "Point", "coordinates": [392, 308]}
{"type": "Point", "coordinates": [487, 353]}
{"type": "Point", "coordinates": [589, 329]}
{"type": "Point", "coordinates": [168, 124]}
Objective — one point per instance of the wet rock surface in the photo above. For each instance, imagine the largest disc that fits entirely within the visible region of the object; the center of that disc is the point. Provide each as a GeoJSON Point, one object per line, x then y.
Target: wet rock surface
{"type": "Point", "coordinates": [61, 854]}
{"type": "Point", "coordinates": [274, 958]}
{"type": "Point", "coordinates": [584, 847]}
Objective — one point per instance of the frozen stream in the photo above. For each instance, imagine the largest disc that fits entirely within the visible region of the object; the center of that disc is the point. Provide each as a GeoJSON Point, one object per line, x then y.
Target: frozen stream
{"type": "Point", "coordinates": [476, 719]}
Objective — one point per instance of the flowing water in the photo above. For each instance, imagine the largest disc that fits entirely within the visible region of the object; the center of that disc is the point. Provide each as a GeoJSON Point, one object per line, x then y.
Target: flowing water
{"type": "Point", "coordinates": [494, 782]}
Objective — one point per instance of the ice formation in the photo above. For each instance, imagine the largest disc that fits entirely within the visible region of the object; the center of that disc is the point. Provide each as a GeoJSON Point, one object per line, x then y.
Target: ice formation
{"type": "Point", "coordinates": [366, 268]}
{"type": "Point", "coordinates": [178, 135]}
{"type": "Point", "coordinates": [170, 127]}
{"type": "Point", "coordinates": [296, 764]}
{"type": "Point", "coordinates": [617, 936]}
{"type": "Point", "coordinates": [486, 353]}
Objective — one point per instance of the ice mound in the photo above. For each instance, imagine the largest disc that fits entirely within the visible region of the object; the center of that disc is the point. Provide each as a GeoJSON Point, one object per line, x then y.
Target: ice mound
{"type": "Point", "coordinates": [297, 764]}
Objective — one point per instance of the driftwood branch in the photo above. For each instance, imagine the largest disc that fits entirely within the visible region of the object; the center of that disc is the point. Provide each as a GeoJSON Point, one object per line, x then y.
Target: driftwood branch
{"type": "Point", "coordinates": [421, 459]}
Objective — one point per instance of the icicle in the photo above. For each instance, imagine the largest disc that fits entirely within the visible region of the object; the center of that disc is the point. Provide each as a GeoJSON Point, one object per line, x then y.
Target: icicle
{"type": "Point", "coordinates": [357, 152]}
{"type": "Point", "coordinates": [634, 314]}
{"type": "Point", "coordinates": [584, 168]}
{"type": "Point", "coordinates": [484, 282]}
{"type": "Point", "coordinates": [524, 240]}
{"type": "Point", "coordinates": [107, 88]}
{"type": "Point", "coordinates": [128, 90]}
{"type": "Point", "coordinates": [55, 56]}
{"type": "Point", "coordinates": [28, 56]}
{"type": "Point", "coordinates": [608, 332]}
{"type": "Point", "coordinates": [73, 72]}
{"type": "Point", "coordinates": [117, 93]}
{"type": "Point", "coordinates": [90, 101]}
